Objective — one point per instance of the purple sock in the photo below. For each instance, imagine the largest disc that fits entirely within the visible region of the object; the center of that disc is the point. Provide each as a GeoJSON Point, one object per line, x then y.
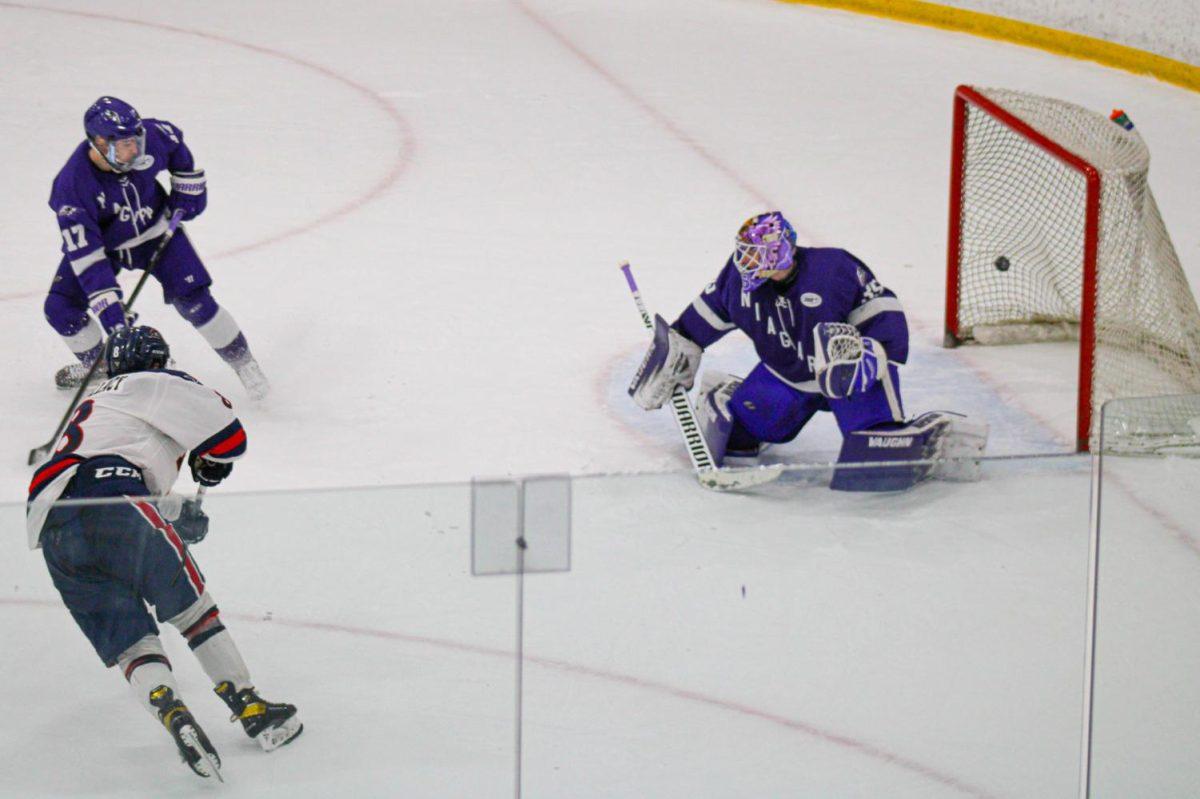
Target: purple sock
{"type": "Point", "coordinates": [91, 356]}
{"type": "Point", "coordinates": [236, 351]}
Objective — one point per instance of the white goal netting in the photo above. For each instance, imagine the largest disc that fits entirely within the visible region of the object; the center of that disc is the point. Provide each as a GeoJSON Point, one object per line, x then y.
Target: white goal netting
{"type": "Point", "coordinates": [1039, 244]}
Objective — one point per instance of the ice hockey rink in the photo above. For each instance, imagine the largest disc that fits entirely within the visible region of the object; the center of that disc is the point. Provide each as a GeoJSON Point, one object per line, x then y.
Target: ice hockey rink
{"type": "Point", "coordinates": [416, 213]}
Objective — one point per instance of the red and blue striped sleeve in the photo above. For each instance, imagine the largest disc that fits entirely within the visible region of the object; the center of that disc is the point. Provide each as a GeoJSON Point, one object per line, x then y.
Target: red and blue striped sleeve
{"type": "Point", "coordinates": [227, 445]}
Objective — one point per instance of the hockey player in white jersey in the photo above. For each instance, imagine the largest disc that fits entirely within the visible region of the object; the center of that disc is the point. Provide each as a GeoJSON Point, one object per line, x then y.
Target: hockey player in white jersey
{"type": "Point", "coordinates": [112, 557]}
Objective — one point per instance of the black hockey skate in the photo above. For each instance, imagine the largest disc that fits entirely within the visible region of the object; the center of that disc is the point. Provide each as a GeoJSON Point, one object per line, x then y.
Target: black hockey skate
{"type": "Point", "coordinates": [194, 746]}
{"type": "Point", "coordinates": [71, 375]}
{"type": "Point", "coordinates": [269, 723]}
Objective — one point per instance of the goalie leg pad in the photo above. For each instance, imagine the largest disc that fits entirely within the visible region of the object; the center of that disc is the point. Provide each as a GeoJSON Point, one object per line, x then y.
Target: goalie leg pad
{"type": "Point", "coordinates": [878, 405]}
{"type": "Point", "coordinates": [881, 445]}
{"type": "Point", "coordinates": [961, 442]}
{"type": "Point", "coordinates": [934, 436]}
{"type": "Point", "coordinates": [712, 412]}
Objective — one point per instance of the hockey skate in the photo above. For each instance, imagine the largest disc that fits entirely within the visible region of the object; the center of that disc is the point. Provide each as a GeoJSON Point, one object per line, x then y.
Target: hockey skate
{"type": "Point", "coordinates": [194, 746]}
{"type": "Point", "coordinates": [271, 724]}
{"type": "Point", "coordinates": [252, 377]}
{"type": "Point", "coordinates": [72, 375]}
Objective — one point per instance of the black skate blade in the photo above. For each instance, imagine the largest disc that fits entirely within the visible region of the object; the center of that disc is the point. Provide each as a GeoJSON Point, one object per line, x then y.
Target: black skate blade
{"type": "Point", "coordinates": [205, 765]}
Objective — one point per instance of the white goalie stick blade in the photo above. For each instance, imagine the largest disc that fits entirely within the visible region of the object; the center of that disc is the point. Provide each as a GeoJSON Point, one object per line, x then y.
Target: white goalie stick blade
{"type": "Point", "coordinates": [188, 734]}
{"type": "Point", "coordinates": [739, 479]}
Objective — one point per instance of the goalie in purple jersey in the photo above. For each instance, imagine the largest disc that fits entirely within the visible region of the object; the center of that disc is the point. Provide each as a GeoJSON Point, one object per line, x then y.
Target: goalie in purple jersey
{"type": "Point", "coordinates": [829, 337]}
{"type": "Point", "coordinates": [111, 210]}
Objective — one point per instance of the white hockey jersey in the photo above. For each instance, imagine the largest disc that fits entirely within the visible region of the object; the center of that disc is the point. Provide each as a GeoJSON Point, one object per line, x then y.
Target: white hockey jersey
{"type": "Point", "coordinates": [151, 419]}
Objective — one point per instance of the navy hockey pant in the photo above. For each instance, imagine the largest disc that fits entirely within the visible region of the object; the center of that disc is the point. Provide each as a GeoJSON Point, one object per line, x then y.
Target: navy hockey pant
{"type": "Point", "coordinates": [109, 560]}
{"type": "Point", "coordinates": [764, 408]}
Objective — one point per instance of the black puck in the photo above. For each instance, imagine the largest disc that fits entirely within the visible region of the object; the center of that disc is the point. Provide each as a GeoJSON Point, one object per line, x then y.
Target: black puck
{"type": "Point", "coordinates": [1001, 264]}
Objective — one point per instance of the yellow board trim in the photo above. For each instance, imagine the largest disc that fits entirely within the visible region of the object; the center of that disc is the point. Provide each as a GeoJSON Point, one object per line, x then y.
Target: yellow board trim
{"type": "Point", "coordinates": [1004, 29]}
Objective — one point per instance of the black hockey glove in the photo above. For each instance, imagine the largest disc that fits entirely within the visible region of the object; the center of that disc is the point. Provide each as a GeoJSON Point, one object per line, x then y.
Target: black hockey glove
{"type": "Point", "coordinates": [192, 524]}
{"type": "Point", "coordinates": [206, 472]}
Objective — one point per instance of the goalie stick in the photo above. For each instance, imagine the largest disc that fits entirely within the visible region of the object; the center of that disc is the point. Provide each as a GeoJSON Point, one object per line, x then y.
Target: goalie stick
{"type": "Point", "coordinates": [707, 472]}
{"type": "Point", "coordinates": [38, 453]}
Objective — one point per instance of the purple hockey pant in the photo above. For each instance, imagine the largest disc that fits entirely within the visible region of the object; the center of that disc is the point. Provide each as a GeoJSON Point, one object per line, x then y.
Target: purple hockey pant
{"type": "Point", "coordinates": [180, 272]}
{"type": "Point", "coordinates": [764, 408]}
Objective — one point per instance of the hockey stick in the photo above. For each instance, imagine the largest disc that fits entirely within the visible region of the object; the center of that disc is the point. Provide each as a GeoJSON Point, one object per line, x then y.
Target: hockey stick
{"type": "Point", "coordinates": [38, 453]}
{"type": "Point", "coordinates": [707, 473]}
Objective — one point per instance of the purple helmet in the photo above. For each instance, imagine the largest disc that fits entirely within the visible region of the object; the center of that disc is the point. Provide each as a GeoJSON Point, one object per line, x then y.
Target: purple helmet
{"type": "Point", "coordinates": [765, 243]}
{"type": "Point", "coordinates": [115, 120]}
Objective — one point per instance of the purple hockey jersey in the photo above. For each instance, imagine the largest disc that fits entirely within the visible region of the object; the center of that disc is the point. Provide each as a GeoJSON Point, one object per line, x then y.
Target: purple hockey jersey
{"type": "Point", "coordinates": [104, 214]}
{"type": "Point", "coordinates": [828, 285]}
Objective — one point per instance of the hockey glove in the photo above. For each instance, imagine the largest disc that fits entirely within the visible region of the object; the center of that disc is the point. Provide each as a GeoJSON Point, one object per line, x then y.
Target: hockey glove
{"type": "Point", "coordinates": [846, 362]}
{"type": "Point", "coordinates": [206, 472]}
{"type": "Point", "coordinates": [192, 522]}
{"type": "Point", "coordinates": [108, 309]}
{"type": "Point", "coordinates": [671, 361]}
{"type": "Point", "coordinates": [189, 193]}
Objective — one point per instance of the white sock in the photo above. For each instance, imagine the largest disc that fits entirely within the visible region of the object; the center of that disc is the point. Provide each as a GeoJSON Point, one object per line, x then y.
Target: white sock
{"type": "Point", "coordinates": [211, 643]}
{"type": "Point", "coordinates": [145, 666]}
{"type": "Point", "coordinates": [221, 661]}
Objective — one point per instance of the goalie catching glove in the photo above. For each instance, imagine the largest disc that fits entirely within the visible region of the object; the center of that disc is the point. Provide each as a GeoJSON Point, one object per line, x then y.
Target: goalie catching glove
{"type": "Point", "coordinates": [846, 362]}
{"type": "Point", "coordinates": [671, 361]}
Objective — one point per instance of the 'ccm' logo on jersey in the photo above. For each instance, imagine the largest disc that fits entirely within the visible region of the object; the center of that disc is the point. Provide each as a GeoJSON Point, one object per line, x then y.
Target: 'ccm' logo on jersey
{"type": "Point", "coordinates": [118, 471]}
{"type": "Point", "coordinates": [810, 300]}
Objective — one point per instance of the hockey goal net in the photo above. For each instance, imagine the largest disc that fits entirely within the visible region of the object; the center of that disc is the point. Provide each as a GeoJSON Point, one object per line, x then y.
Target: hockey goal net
{"type": "Point", "coordinates": [1054, 234]}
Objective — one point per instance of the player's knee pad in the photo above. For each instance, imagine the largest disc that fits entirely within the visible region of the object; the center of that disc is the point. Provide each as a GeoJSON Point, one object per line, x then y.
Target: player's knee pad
{"type": "Point", "coordinates": [148, 649]}
{"type": "Point", "coordinates": [935, 444]}
{"type": "Point", "coordinates": [197, 306]}
{"type": "Point", "coordinates": [199, 622]}
{"type": "Point", "coordinates": [65, 315]}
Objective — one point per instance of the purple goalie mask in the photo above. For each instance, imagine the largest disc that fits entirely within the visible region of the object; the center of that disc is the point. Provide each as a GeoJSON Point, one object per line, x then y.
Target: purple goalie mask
{"type": "Point", "coordinates": [765, 243]}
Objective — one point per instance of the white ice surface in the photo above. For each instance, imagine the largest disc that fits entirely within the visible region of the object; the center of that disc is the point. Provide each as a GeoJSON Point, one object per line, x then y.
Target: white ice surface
{"type": "Point", "coordinates": [417, 210]}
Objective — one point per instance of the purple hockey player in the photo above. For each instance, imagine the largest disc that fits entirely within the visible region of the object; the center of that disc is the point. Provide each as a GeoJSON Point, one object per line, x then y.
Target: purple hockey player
{"type": "Point", "coordinates": [829, 337]}
{"type": "Point", "coordinates": [111, 210]}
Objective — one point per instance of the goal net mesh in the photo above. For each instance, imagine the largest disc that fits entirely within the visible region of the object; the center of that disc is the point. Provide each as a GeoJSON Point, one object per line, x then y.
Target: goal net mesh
{"type": "Point", "coordinates": [1024, 228]}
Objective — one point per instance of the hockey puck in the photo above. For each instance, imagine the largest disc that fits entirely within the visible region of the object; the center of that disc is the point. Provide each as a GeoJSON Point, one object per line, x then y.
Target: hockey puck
{"type": "Point", "coordinates": [1001, 264]}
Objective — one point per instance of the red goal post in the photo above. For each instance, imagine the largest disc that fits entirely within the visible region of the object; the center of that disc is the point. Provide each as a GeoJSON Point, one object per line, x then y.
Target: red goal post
{"type": "Point", "coordinates": [1054, 234]}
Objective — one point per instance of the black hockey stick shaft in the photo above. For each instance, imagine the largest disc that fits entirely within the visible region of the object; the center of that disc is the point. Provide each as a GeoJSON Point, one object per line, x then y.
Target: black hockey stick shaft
{"type": "Point", "coordinates": [37, 453]}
